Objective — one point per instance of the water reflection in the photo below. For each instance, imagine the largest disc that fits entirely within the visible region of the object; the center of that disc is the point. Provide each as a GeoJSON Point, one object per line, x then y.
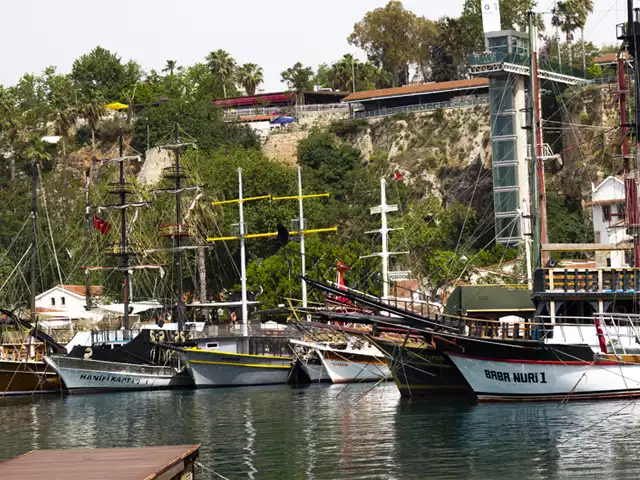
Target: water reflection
{"type": "Point", "coordinates": [333, 432]}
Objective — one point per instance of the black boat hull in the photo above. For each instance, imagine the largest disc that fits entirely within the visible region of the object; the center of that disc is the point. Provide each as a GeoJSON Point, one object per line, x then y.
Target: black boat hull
{"type": "Point", "coordinates": [423, 371]}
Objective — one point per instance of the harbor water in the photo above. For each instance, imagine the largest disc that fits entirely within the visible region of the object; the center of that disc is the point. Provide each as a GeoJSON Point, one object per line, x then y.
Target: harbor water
{"type": "Point", "coordinates": [339, 432]}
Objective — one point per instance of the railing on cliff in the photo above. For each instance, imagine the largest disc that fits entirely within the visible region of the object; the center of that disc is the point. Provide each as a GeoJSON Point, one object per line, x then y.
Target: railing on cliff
{"type": "Point", "coordinates": [283, 110]}
{"type": "Point", "coordinates": [424, 107]}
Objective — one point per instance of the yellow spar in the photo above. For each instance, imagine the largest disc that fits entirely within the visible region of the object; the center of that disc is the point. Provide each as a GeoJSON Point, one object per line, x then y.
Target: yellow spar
{"type": "Point", "coordinates": [271, 234]}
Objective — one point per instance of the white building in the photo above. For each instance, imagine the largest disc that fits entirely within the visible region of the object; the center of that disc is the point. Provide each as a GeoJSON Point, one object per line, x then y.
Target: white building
{"type": "Point", "coordinates": [66, 302]}
{"type": "Point", "coordinates": [608, 213]}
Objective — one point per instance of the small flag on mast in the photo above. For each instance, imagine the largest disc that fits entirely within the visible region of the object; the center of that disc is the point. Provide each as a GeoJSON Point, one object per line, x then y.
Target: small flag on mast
{"type": "Point", "coordinates": [101, 225]}
{"type": "Point", "coordinates": [397, 175]}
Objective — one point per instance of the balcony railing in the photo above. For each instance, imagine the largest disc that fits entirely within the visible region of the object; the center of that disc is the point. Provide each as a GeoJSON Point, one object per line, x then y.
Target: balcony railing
{"type": "Point", "coordinates": [604, 280]}
{"type": "Point", "coordinates": [283, 110]}
{"type": "Point", "coordinates": [425, 107]}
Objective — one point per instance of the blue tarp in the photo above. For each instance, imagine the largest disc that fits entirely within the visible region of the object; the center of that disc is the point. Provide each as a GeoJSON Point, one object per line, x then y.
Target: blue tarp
{"type": "Point", "coordinates": [284, 120]}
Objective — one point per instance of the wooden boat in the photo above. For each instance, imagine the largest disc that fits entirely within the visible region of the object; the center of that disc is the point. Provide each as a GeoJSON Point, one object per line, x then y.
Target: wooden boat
{"type": "Point", "coordinates": [239, 361]}
{"type": "Point", "coordinates": [140, 364]}
{"type": "Point", "coordinates": [524, 371]}
{"type": "Point", "coordinates": [22, 369]}
{"type": "Point", "coordinates": [345, 363]}
{"type": "Point", "coordinates": [418, 369]}
{"type": "Point", "coordinates": [27, 377]}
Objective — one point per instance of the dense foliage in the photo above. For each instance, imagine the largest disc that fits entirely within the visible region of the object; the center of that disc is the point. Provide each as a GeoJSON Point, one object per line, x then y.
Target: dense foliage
{"type": "Point", "coordinates": [444, 236]}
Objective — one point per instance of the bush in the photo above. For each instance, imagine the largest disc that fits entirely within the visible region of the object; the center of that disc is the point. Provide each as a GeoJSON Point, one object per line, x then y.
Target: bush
{"type": "Point", "coordinates": [83, 136]}
{"type": "Point", "coordinates": [199, 121]}
{"type": "Point", "coordinates": [109, 130]}
{"type": "Point", "coordinates": [349, 127]}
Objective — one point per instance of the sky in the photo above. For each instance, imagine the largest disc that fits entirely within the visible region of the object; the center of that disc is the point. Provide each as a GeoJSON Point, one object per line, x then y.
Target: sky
{"type": "Point", "coordinates": [272, 33]}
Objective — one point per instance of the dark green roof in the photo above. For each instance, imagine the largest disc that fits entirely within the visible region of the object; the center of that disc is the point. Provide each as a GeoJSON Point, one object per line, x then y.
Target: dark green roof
{"type": "Point", "coordinates": [483, 301]}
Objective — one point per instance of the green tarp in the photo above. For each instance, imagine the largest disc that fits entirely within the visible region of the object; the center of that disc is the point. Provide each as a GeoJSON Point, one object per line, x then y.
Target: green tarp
{"type": "Point", "coordinates": [489, 302]}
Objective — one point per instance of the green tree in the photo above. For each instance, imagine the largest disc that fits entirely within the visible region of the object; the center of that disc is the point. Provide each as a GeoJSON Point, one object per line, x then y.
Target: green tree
{"type": "Point", "coordinates": [339, 76]}
{"type": "Point", "coordinates": [201, 120]}
{"type": "Point", "coordinates": [103, 73]}
{"type": "Point", "coordinates": [388, 36]}
{"type": "Point", "coordinates": [298, 77]}
{"type": "Point", "coordinates": [250, 76]}
{"type": "Point", "coordinates": [328, 159]}
{"type": "Point", "coordinates": [223, 67]}
{"type": "Point", "coordinates": [426, 35]}
{"type": "Point", "coordinates": [170, 67]}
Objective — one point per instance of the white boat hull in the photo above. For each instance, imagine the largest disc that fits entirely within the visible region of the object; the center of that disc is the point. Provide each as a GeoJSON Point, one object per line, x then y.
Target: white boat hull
{"type": "Point", "coordinates": [214, 368]}
{"type": "Point", "coordinates": [346, 368]}
{"type": "Point", "coordinates": [84, 375]}
{"type": "Point", "coordinates": [518, 380]}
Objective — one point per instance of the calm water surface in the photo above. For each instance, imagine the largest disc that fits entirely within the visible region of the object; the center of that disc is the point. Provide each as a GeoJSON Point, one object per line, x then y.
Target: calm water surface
{"type": "Point", "coordinates": [333, 432]}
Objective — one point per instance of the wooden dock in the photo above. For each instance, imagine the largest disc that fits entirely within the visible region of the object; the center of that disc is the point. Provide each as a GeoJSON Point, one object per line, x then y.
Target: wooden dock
{"type": "Point", "coordinates": [146, 463]}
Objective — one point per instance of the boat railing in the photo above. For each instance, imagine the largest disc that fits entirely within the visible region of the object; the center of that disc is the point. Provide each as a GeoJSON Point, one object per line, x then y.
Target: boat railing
{"type": "Point", "coordinates": [607, 280]}
{"type": "Point", "coordinates": [620, 330]}
{"type": "Point", "coordinates": [22, 352]}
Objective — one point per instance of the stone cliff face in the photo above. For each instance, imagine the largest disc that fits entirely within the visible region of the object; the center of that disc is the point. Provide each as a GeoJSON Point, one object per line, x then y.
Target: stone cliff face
{"type": "Point", "coordinates": [445, 151]}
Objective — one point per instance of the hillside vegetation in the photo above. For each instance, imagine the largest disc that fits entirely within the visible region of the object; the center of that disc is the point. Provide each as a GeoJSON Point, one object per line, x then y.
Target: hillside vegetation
{"type": "Point", "coordinates": [437, 165]}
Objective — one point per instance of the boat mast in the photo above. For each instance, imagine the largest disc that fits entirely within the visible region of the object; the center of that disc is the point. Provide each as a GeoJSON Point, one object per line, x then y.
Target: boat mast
{"type": "Point", "coordinates": [302, 249]}
{"type": "Point", "coordinates": [87, 228]}
{"type": "Point", "coordinates": [538, 197]}
{"type": "Point", "coordinates": [34, 232]}
{"type": "Point", "coordinates": [123, 234]}
{"type": "Point", "coordinates": [243, 259]}
{"type": "Point", "coordinates": [384, 230]}
{"type": "Point", "coordinates": [177, 230]}
{"type": "Point", "coordinates": [178, 237]}
{"type": "Point", "coordinates": [632, 35]}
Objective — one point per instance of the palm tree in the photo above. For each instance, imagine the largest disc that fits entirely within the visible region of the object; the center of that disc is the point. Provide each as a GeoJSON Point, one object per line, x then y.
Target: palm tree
{"type": "Point", "coordinates": [223, 66]}
{"type": "Point", "coordinates": [170, 67]}
{"type": "Point", "coordinates": [583, 8]}
{"type": "Point", "coordinates": [568, 16]}
{"type": "Point", "coordinates": [92, 109]}
{"type": "Point", "coordinates": [342, 73]}
{"type": "Point", "coordinates": [250, 76]}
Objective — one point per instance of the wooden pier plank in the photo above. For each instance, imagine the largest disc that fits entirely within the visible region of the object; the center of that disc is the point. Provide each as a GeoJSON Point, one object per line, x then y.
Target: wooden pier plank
{"type": "Point", "coordinates": [146, 463]}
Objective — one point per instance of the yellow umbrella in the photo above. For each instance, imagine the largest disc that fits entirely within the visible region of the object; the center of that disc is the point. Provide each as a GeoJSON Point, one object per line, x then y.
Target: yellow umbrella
{"type": "Point", "coordinates": [116, 106]}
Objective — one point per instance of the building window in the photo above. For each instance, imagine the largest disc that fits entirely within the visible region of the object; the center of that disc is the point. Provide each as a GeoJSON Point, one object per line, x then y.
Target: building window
{"type": "Point", "coordinates": [606, 213]}
{"type": "Point", "coordinates": [598, 237]}
{"type": "Point", "coordinates": [53, 302]}
{"type": "Point", "coordinates": [622, 211]}
{"type": "Point", "coordinates": [62, 300]}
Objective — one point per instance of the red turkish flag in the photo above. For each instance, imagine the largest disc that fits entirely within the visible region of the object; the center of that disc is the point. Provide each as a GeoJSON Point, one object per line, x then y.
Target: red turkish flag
{"type": "Point", "coordinates": [397, 175]}
{"type": "Point", "coordinates": [101, 225]}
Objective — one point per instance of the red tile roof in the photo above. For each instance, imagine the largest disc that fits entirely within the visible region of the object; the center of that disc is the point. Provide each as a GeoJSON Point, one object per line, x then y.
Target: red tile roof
{"type": "Point", "coordinates": [420, 88]}
{"type": "Point", "coordinates": [96, 290]}
{"type": "Point", "coordinates": [609, 58]}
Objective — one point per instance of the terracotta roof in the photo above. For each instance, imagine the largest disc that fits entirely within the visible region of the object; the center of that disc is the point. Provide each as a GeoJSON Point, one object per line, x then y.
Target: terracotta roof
{"type": "Point", "coordinates": [608, 58]}
{"type": "Point", "coordinates": [420, 88]}
{"type": "Point", "coordinates": [255, 118]}
{"type": "Point", "coordinates": [96, 290]}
